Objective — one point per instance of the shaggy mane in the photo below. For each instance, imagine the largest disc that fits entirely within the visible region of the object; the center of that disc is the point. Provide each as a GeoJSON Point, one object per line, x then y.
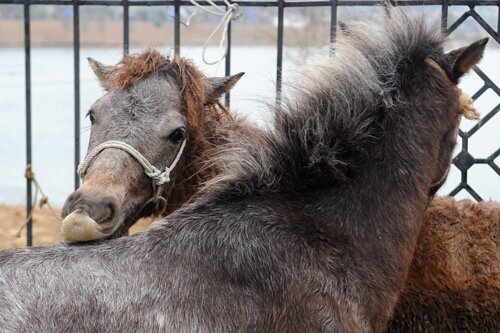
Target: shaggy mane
{"type": "Point", "coordinates": [343, 100]}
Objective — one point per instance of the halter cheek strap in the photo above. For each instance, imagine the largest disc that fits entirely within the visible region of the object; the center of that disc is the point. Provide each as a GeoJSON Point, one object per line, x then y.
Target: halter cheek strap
{"type": "Point", "coordinates": [158, 177]}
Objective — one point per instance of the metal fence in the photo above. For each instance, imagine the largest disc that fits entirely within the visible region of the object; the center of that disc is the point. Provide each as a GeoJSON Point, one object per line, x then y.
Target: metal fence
{"type": "Point", "coordinates": [463, 161]}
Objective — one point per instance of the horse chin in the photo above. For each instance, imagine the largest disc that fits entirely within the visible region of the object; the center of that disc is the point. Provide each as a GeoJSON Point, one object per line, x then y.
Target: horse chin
{"type": "Point", "coordinates": [80, 227]}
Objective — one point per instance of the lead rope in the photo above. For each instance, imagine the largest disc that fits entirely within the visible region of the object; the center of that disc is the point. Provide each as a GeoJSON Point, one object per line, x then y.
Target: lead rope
{"type": "Point", "coordinates": [233, 13]}
{"type": "Point", "coordinates": [158, 177]}
{"type": "Point", "coordinates": [44, 200]}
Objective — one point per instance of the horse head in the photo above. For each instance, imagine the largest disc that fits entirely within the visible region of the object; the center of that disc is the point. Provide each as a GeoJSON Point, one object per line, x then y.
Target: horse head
{"type": "Point", "coordinates": [146, 132]}
{"type": "Point", "coordinates": [447, 69]}
{"type": "Point", "coordinates": [440, 74]}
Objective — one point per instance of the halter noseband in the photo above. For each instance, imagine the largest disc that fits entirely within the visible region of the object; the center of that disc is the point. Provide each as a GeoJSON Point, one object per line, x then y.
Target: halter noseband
{"type": "Point", "coordinates": [158, 177]}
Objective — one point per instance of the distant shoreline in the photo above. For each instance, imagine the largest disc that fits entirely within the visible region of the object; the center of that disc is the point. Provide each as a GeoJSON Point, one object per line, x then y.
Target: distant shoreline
{"type": "Point", "coordinates": [145, 34]}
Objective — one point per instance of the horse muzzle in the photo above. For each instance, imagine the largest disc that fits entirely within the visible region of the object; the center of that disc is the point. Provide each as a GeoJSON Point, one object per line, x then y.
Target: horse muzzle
{"type": "Point", "coordinates": [86, 219]}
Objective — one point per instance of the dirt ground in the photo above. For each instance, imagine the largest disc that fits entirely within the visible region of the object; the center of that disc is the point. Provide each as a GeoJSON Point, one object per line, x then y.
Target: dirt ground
{"type": "Point", "coordinates": [46, 225]}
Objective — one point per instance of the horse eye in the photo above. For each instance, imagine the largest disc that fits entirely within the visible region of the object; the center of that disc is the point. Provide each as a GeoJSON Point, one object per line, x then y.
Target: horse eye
{"type": "Point", "coordinates": [177, 135]}
{"type": "Point", "coordinates": [91, 116]}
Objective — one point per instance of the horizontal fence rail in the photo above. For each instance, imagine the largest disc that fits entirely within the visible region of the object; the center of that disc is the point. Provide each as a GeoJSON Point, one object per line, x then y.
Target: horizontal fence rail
{"type": "Point", "coordinates": [463, 161]}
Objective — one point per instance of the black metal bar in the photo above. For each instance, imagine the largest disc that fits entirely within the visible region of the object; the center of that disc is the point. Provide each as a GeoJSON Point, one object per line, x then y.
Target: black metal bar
{"type": "Point", "coordinates": [177, 28]}
{"type": "Point", "coordinates": [456, 190]}
{"type": "Point", "coordinates": [126, 27]}
{"type": "Point", "coordinates": [483, 120]}
{"type": "Point", "coordinates": [76, 60]}
{"type": "Point", "coordinates": [473, 193]}
{"type": "Point", "coordinates": [318, 3]}
{"type": "Point", "coordinates": [444, 15]}
{"type": "Point", "coordinates": [333, 22]}
{"type": "Point", "coordinates": [455, 24]}
{"type": "Point", "coordinates": [494, 167]}
{"type": "Point", "coordinates": [27, 68]}
{"type": "Point", "coordinates": [485, 25]}
{"type": "Point", "coordinates": [494, 155]}
{"type": "Point", "coordinates": [487, 80]}
{"type": "Point", "coordinates": [465, 142]}
{"type": "Point", "coordinates": [279, 55]}
{"type": "Point", "coordinates": [228, 62]}
{"type": "Point", "coordinates": [479, 92]}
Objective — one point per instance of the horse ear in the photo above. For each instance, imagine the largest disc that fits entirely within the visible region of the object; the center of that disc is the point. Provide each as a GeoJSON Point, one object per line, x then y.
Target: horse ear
{"type": "Point", "coordinates": [100, 70]}
{"type": "Point", "coordinates": [221, 85]}
{"type": "Point", "coordinates": [344, 28]}
{"type": "Point", "coordinates": [462, 60]}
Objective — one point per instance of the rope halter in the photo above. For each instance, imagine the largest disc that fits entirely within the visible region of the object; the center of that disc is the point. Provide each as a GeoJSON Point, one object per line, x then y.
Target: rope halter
{"type": "Point", "coordinates": [158, 177]}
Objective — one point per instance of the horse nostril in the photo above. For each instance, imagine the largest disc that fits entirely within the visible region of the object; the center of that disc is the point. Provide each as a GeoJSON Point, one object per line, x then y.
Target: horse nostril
{"type": "Point", "coordinates": [111, 207]}
{"type": "Point", "coordinates": [70, 203]}
{"type": "Point", "coordinates": [73, 197]}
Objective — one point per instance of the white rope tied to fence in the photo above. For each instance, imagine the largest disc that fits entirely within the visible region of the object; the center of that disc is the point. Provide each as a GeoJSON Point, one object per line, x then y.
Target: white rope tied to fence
{"type": "Point", "coordinates": [158, 177]}
{"type": "Point", "coordinates": [233, 13]}
{"type": "Point", "coordinates": [44, 200]}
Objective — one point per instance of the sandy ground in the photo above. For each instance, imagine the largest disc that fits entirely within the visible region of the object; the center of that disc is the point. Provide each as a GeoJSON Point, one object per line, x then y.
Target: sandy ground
{"type": "Point", "coordinates": [46, 226]}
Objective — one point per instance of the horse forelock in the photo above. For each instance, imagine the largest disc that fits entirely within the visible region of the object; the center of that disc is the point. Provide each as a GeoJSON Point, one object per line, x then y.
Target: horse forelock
{"type": "Point", "coordinates": [340, 98]}
{"type": "Point", "coordinates": [134, 68]}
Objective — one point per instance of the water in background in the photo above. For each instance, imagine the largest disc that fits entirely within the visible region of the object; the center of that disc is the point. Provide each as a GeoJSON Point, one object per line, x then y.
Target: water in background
{"type": "Point", "coordinates": [53, 105]}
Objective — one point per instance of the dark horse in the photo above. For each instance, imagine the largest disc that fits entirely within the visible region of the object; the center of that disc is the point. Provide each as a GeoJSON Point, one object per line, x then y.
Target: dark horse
{"type": "Point", "coordinates": [311, 228]}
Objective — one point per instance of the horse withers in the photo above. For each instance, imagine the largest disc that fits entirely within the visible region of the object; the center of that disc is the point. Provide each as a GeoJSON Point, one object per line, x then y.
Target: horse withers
{"type": "Point", "coordinates": [311, 229]}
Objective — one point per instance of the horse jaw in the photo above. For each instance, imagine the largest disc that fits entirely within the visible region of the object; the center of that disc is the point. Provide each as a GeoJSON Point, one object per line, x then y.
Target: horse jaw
{"type": "Point", "coordinates": [80, 227]}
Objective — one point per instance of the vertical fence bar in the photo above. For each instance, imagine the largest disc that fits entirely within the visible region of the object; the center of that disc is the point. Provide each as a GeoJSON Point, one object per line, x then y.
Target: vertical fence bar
{"type": "Point", "coordinates": [177, 28]}
{"type": "Point", "coordinates": [280, 4]}
{"type": "Point", "coordinates": [27, 68]}
{"type": "Point", "coordinates": [76, 60]}
{"type": "Point", "coordinates": [228, 63]}
{"type": "Point", "coordinates": [333, 25]}
{"type": "Point", "coordinates": [279, 56]}
{"type": "Point", "coordinates": [126, 28]}
{"type": "Point", "coordinates": [444, 15]}
{"type": "Point", "coordinates": [333, 21]}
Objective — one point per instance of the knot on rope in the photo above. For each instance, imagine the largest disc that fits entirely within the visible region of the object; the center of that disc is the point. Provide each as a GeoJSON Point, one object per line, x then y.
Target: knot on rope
{"type": "Point", "coordinates": [44, 200]}
{"type": "Point", "coordinates": [158, 177]}
{"type": "Point", "coordinates": [467, 107]}
{"type": "Point", "coordinates": [235, 10]}
{"type": "Point", "coordinates": [28, 173]}
{"type": "Point", "coordinates": [232, 13]}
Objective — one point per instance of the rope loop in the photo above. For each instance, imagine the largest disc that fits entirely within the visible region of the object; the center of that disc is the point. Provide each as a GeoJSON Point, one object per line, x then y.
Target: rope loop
{"type": "Point", "coordinates": [232, 13]}
{"type": "Point", "coordinates": [158, 177]}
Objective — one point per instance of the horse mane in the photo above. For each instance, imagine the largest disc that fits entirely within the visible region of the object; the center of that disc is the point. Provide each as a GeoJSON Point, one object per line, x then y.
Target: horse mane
{"type": "Point", "coordinates": [343, 100]}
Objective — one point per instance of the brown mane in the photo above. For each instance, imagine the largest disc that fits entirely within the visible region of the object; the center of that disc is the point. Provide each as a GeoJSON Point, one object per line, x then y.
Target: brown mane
{"type": "Point", "coordinates": [134, 68]}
